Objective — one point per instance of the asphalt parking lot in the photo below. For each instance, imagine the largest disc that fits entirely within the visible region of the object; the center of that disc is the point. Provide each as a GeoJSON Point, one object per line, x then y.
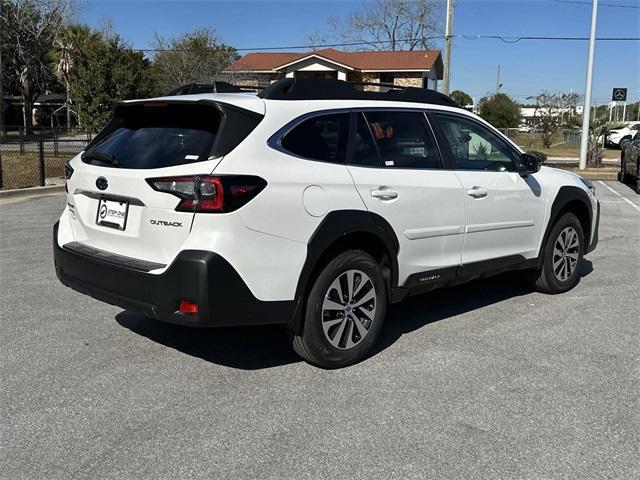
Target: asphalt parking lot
{"type": "Point", "coordinates": [486, 380]}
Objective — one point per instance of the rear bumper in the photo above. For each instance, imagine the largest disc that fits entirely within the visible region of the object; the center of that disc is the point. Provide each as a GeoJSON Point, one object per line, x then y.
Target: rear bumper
{"type": "Point", "coordinates": [197, 276]}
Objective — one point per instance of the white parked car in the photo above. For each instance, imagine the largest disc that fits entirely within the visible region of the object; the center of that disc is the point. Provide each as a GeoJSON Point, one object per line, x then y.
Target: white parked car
{"type": "Point", "coordinates": [312, 205]}
{"type": "Point", "coordinates": [625, 131]}
{"type": "Point", "coordinates": [524, 128]}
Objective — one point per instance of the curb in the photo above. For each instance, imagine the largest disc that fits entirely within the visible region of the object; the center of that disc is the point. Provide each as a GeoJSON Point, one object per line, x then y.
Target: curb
{"type": "Point", "coordinates": [31, 191]}
{"type": "Point", "coordinates": [598, 176]}
{"type": "Point", "coordinates": [576, 161]}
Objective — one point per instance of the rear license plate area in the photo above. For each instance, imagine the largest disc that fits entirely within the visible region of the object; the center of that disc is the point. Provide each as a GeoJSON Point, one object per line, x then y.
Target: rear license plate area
{"type": "Point", "coordinates": [112, 213]}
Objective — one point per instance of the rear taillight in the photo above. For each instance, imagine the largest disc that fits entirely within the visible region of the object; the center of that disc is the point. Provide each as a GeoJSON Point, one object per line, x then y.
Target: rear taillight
{"type": "Point", "coordinates": [68, 171]}
{"type": "Point", "coordinates": [208, 193]}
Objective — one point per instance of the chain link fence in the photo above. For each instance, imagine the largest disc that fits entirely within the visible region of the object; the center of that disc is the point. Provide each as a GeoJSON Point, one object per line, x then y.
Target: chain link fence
{"type": "Point", "coordinates": [509, 132]}
{"type": "Point", "coordinates": [572, 137]}
{"type": "Point", "coordinates": [37, 161]}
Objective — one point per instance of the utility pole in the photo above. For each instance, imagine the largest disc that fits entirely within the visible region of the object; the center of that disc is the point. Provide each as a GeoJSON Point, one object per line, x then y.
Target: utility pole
{"type": "Point", "coordinates": [584, 140]}
{"type": "Point", "coordinates": [498, 81]}
{"type": "Point", "coordinates": [447, 47]}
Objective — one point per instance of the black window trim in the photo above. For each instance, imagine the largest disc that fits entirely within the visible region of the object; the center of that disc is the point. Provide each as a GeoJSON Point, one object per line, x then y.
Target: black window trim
{"type": "Point", "coordinates": [352, 139]}
{"type": "Point", "coordinates": [275, 140]}
{"type": "Point", "coordinates": [446, 151]}
{"type": "Point", "coordinates": [446, 157]}
{"type": "Point", "coordinates": [444, 164]}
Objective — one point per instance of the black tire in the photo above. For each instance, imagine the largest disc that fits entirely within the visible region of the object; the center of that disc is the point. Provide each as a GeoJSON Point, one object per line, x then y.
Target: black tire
{"type": "Point", "coordinates": [622, 176]}
{"type": "Point", "coordinates": [547, 280]}
{"type": "Point", "coordinates": [314, 345]}
{"type": "Point", "coordinates": [622, 141]}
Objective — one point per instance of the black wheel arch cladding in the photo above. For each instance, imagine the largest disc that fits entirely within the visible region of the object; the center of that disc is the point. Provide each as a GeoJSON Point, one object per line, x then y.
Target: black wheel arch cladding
{"type": "Point", "coordinates": [575, 200]}
{"type": "Point", "coordinates": [336, 226]}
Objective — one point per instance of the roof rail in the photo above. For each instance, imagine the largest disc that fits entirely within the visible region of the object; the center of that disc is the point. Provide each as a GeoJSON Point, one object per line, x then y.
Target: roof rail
{"type": "Point", "coordinates": [215, 87]}
{"type": "Point", "coordinates": [327, 89]}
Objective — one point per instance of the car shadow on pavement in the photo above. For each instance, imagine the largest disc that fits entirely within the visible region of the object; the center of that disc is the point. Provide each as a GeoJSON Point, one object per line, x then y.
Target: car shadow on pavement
{"type": "Point", "coordinates": [420, 310]}
{"type": "Point", "coordinates": [252, 348]}
{"type": "Point", "coordinates": [247, 348]}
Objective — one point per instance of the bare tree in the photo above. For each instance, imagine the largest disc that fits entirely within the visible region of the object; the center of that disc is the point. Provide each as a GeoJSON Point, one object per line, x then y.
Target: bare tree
{"type": "Point", "coordinates": [196, 57]}
{"type": "Point", "coordinates": [550, 110]}
{"type": "Point", "coordinates": [391, 25]}
{"type": "Point", "coordinates": [595, 150]}
{"type": "Point", "coordinates": [547, 115]}
{"type": "Point", "coordinates": [29, 28]}
{"type": "Point", "coordinates": [317, 39]}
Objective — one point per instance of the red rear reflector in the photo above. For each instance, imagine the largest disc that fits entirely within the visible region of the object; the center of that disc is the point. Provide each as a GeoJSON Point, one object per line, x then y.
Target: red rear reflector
{"type": "Point", "coordinates": [187, 307]}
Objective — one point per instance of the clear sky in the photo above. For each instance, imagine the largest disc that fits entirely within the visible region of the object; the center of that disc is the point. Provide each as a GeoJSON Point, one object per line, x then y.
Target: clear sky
{"type": "Point", "coordinates": [527, 67]}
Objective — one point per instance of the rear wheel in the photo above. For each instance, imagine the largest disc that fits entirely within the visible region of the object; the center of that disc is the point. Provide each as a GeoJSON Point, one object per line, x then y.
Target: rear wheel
{"type": "Point", "coordinates": [562, 257]}
{"type": "Point", "coordinates": [344, 312]}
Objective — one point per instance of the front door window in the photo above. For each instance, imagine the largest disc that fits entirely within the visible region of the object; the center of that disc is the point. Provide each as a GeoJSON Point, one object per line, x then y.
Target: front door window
{"type": "Point", "coordinates": [475, 147]}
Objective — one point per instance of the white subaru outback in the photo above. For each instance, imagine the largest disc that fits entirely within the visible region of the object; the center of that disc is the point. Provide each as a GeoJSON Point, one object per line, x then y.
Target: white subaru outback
{"type": "Point", "coordinates": [312, 205]}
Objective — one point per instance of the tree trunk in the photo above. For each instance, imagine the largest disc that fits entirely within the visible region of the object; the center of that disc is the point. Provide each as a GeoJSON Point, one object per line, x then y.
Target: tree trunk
{"type": "Point", "coordinates": [27, 109]}
{"type": "Point", "coordinates": [68, 108]}
{"type": "Point", "coordinates": [2, 126]}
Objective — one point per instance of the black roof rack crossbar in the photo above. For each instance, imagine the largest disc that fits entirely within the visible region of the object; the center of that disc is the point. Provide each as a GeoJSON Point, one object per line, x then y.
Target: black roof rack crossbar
{"type": "Point", "coordinates": [327, 89]}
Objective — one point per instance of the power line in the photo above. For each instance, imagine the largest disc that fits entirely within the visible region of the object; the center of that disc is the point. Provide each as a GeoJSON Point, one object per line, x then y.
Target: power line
{"type": "Point", "coordinates": [505, 39]}
{"type": "Point", "coordinates": [292, 47]}
{"type": "Point", "coordinates": [577, 2]}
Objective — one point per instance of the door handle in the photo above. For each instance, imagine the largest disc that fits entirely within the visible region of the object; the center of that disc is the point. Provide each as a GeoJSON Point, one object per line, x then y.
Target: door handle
{"type": "Point", "coordinates": [477, 192]}
{"type": "Point", "coordinates": [384, 194]}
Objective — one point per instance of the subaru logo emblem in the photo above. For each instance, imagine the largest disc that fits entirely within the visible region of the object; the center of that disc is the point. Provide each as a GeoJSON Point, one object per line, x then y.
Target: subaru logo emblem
{"type": "Point", "coordinates": [102, 183]}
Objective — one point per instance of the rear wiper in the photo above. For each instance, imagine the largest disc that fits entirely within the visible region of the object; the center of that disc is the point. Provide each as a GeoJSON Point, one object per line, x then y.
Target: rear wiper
{"type": "Point", "coordinates": [103, 157]}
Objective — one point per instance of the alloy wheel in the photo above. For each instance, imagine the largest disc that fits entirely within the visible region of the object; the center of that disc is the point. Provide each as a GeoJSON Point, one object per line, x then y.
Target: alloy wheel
{"type": "Point", "coordinates": [566, 253]}
{"type": "Point", "coordinates": [348, 309]}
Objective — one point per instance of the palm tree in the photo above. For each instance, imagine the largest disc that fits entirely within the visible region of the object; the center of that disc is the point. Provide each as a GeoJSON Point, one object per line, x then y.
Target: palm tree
{"type": "Point", "coordinates": [63, 70]}
{"type": "Point", "coordinates": [68, 51]}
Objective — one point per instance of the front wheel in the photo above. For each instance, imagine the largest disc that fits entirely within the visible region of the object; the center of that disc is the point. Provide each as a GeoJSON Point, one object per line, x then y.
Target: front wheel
{"type": "Point", "coordinates": [344, 312]}
{"type": "Point", "coordinates": [562, 257]}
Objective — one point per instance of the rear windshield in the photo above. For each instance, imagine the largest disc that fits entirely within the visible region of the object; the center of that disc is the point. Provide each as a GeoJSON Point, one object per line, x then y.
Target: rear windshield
{"type": "Point", "coordinates": [157, 135]}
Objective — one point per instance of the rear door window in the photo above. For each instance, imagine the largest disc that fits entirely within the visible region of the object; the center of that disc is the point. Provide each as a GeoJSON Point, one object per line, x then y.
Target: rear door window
{"type": "Point", "coordinates": [322, 138]}
{"type": "Point", "coordinates": [402, 140]}
{"type": "Point", "coordinates": [364, 151]}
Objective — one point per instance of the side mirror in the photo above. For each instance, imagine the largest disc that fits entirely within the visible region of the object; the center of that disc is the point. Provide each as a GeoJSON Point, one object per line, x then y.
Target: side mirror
{"type": "Point", "coordinates": [529, 164]}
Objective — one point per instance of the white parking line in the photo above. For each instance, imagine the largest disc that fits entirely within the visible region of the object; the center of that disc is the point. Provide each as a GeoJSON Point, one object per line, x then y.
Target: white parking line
{"type": "Point", "coordinates": [634, 205]}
